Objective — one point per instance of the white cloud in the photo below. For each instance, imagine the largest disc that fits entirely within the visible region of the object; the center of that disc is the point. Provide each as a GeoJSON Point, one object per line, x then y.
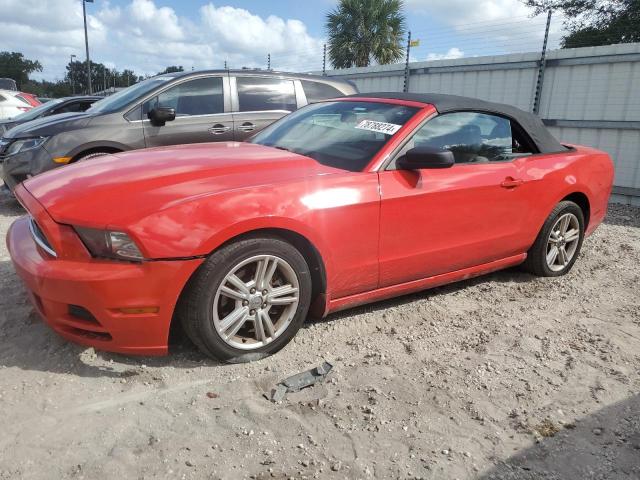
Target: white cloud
{"type": "Point", "coordinates": [483, 27]}
{"type": "Point", "coordinates": [146, 37]}
{"type": "Point", "coordinates": [452, 53]}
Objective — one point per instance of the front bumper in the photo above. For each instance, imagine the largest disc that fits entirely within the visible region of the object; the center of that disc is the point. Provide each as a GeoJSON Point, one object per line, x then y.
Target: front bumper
{"type": "Point", "coordinates": [17, 168]}
{"type": "Point", "coordinates": [82, 300]}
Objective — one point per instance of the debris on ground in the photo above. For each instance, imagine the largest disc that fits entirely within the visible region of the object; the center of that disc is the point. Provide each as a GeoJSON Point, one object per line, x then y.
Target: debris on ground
{"type": "Point", "coordinates": [299, 381]}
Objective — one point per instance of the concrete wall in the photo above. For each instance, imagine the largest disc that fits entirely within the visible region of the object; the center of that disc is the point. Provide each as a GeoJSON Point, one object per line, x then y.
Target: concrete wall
{"type": "Point", "coordinates": [590, 96]}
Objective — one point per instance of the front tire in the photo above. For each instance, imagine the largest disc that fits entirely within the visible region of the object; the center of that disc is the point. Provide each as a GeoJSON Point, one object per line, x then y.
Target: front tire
{"type": "Point", "coordinates": [559, 242]}
{"type": "Point", "coordinates": [248, 300]}
{"type": "Point", "coordinates": [89, 156]}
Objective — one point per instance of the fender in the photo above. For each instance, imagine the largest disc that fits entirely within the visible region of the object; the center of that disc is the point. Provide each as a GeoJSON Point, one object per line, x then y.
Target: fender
{"type": "Point", "coordinates": [279, 223]}
{"type": "Point", "coordinates": [97, 145]}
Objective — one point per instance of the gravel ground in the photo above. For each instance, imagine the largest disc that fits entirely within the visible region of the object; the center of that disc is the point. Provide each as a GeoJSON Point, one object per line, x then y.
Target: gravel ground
{"type": "Point", "coordinates": [505, 377]}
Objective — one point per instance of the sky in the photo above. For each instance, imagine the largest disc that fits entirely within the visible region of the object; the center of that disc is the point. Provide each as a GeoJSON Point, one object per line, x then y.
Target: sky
{"type": "Point", "coordinates": [148, 35]}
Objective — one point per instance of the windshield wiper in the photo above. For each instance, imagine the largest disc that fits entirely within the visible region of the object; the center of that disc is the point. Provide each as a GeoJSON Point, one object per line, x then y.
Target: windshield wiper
{"type": "Point", "coordinates": [281, 148]}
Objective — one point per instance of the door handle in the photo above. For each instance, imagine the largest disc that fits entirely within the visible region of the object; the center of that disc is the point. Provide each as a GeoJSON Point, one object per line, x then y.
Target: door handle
{"type": "Point", "coordinates": [247, 127]}
{"type": "Point", "coordinates": [218, 129]}
{"type": "Point", "coordinates": [511, 182]}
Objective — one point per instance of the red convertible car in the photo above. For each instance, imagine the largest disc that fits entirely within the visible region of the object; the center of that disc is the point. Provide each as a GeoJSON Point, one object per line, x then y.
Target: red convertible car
{"type": "Point", "coordinates": [343, 202]}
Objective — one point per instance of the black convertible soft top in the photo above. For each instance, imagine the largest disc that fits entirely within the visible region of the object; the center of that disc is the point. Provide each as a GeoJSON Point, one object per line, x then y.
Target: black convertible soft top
{"type": "Point", "coordinates": [531, 124]}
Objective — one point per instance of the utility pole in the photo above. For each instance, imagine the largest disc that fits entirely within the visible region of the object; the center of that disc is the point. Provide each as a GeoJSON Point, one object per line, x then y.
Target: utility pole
{"type": "Point", "coordinates": [324, 60]}
{"type": "Point", "coordinates": [86, 44]}
{"type": "Point", "coordinates": [104, 79]}
{"type": "Point", "coordinates": [268, 61]}
{"type": "Point", "coordinates": [406, 65]}
{"type": "Point", "coordinates": [541, 67]}
{"type": "Point", "coordinates": [73, 85]}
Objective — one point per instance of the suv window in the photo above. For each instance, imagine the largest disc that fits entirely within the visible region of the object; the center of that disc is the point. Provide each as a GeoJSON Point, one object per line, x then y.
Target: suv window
{"type": "Point", "coordinates": [201, 96]}
{"type": "Point", "coordinates": [259, 93]}
{"type": "Point", "coordinates": [72, 107]}
{"type": "Point", "coordinates": [316, 91]}
{"type": "Point", "coordinates": [474, 137]}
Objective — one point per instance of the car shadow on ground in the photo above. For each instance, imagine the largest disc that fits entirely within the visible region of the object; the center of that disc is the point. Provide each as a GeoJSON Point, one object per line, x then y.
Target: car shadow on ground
{"type": "Point", "coordinates": [26, 342]}
{"type": "Point", "coordinates": [603, 445]}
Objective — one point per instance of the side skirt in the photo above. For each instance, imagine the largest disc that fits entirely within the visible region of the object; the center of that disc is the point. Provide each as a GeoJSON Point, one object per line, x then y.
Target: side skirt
{"type": "Point", "coordinates": [421, 284]}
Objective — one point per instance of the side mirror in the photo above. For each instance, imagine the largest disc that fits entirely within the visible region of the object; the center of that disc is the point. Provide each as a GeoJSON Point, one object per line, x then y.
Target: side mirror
{"type": "Point", "coordinates": [161, 115]}
{"type": "Point", "coordinates": [426, 157]}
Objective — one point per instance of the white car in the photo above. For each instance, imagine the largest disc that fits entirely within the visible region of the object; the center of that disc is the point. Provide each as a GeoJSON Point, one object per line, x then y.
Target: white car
{"type": "Point", "coordinates": [12, 104]}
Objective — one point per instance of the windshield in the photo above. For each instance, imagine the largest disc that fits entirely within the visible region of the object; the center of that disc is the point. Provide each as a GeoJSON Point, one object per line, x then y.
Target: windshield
{"type": "Point", "coordinates": [37, 111]}
{"type": "Point", "coordinates": [124, 97]}
{"type": "Point", "coordinates": [343, 134]}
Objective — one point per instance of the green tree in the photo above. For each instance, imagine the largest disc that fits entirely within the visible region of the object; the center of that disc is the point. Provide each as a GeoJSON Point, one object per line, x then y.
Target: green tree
{"type": "Point", "coordinates": [172, 69]}
{"type": "Point", "coordinates": [595, 22]}
{"type": "Point", "coordinates": [363, 31]}
{"type": "Point", "coordinates": [14, 65]}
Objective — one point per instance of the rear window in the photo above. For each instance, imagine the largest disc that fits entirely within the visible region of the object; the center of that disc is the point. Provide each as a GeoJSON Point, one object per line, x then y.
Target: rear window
{"type": "Point", "coordinates": [258, 94]}
{"type": "Point", "coordinates": [316, 91]}
{"type": "Point", "coordinates": [22, 99]}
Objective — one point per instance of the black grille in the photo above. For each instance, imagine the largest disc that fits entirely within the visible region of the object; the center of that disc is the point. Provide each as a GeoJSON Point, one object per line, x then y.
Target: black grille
{"type": "Point", "coordinates": [82, 313]}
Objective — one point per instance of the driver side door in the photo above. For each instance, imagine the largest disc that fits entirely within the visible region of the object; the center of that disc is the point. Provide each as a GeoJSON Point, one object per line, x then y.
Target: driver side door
{"type": "Point", "coordinates": [435, 221]}
{"type": "Point", "coordinates": [203, 113]}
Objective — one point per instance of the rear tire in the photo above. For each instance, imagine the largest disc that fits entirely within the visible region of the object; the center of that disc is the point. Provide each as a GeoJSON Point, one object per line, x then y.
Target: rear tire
{"type": "Point", "coordinates": [248, 300]}
{"type": "Point", "coordinates": [559, 242]}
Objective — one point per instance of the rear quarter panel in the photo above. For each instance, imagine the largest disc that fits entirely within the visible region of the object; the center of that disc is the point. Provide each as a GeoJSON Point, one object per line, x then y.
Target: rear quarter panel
{"type": "Point", "coordinates": [550, 178]}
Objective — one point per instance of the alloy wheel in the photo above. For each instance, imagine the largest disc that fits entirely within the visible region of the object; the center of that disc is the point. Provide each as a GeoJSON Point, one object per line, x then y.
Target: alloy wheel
{"type": "Point", "coordinates": [256, 302]}
{"type": "Point", "coordinates": [563, 241]}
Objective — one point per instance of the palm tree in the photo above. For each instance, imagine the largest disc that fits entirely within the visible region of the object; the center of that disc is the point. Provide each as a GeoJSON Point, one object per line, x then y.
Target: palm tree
{"type": "Point", "coordinates": [361, 31]}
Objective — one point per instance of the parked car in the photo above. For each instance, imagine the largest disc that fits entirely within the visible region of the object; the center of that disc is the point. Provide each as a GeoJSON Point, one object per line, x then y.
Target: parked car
{"type": "Point", "coordinates": [341, 203]}
{"type": "Point", "coordinates": [30, 98]}
{"type": "Point", "coordinates": [53, 107]}
{"type": "Point", "coordinates": [8, 84]}
{"type": "Point", "coordinates": [164, 110]}
{"type": "Point", "coordinates": [12, 104]}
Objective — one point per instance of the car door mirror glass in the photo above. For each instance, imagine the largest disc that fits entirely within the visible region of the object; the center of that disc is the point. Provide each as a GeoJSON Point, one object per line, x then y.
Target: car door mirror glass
{"type": "Point", "coordinates": [424, 157]}
{"type": "Point", "coordinates": [160, 115]}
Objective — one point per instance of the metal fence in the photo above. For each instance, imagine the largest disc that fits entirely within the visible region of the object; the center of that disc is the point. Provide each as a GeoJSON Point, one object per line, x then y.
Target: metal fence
{"type": "Point", "coordinates": [589, 96]}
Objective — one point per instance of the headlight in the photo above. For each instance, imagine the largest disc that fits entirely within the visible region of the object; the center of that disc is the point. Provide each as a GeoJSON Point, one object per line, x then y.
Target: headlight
{"type": "Point", "coordinates": [25, 144]}
{"type": "Point", "coordinates": [109, 244]}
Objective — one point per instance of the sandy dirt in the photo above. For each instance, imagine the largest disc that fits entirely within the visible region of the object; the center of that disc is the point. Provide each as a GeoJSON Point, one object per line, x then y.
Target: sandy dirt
{"type": "Point", "coordinates": [506, 377]}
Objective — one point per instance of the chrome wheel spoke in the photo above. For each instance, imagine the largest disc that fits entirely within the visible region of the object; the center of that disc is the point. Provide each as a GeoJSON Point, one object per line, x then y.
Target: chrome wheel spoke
{"type": "Point", "coordinates": [564, 224]}
{"type": "Point", "coordinates": [283, 295]}
{"type": "Point", "coordinates": [231, 293]}
{"type": "Point", "coordinates": [562, 253]}
{"type": "Point", "coordinates": [266, 323]}
{"type": "Point", "coordinates": [234, 321]}
{"type": "Point", "coordinates": [259, 328]}
{"type": "Point", "coordinates": [572, 235]}
{"type": "Point", "coordinates": [239, 284]}
{"type": "Point", "coordinates": [552, 255]}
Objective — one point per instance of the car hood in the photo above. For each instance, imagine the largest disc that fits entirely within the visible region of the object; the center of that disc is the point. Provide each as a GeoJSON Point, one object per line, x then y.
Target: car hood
{"type": "Point", "coordinates": [116, 190]}
{"type": "Point", "coordinates": [47, 126]}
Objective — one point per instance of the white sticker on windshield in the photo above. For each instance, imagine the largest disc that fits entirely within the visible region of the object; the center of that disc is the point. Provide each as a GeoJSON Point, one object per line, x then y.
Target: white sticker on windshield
{"type": "Point", "coordinates": [379, 127]}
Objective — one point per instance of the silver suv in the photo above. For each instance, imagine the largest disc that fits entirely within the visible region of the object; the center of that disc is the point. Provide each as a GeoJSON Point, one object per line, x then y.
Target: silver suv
{"type": "Point", "coordinates": [170, 109]}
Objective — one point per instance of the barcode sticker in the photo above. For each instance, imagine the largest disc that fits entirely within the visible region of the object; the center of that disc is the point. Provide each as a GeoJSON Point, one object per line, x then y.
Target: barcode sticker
{"type": "Point", "coordinates": [379, 127]}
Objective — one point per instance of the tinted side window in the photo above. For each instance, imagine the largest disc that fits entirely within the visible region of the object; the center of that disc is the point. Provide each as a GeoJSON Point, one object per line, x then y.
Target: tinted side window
{"type": "Point", "coordinates": [202, 96]}
{"type": "Point", "coordinates": [316, 91]}
{"type": "Point", "coordinates": [472, 137]}
{"type": "Point", "coordinates": [71, 107]}
{"type": "Point", "coordinates": [257, 94]}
